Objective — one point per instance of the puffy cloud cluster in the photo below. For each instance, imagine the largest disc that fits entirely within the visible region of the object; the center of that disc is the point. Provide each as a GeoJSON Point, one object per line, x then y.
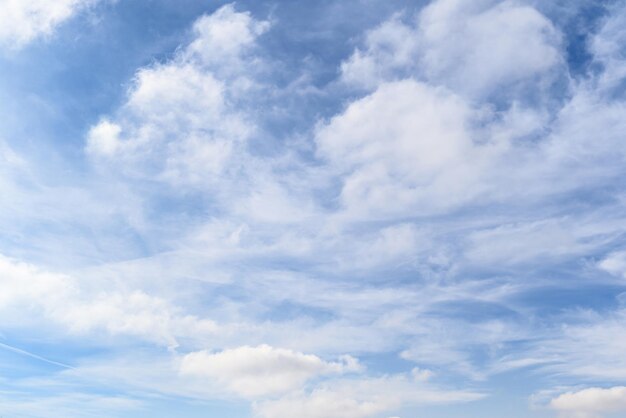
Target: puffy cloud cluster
{"type": "Point", "coordinates": [590, 403]}
{"type": "Point", "coordinates": [26, 20]}
{"type": "Point", "coordinates": [475, 47]}
{"type": "Point", "coordinates": [262, 370]}
{"type": "Point", "coordinates": [406, 143]}
{"type": "Point", "coordinates": [181, 123]}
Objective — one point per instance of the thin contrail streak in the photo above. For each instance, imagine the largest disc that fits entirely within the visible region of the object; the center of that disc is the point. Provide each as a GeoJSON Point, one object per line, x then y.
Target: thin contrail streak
{"type": "Point", "coordinates": [35, 356]}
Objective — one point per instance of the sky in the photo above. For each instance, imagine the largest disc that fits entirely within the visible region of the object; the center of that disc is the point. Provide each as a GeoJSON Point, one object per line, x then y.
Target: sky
{"type": "Point", "coordinates": [313, 209]}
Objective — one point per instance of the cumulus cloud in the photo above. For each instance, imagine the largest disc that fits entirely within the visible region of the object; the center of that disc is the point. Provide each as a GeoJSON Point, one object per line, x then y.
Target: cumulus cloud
{"type": "Point", "coordinates": [590, 403]}
{"type": "Point", "coordinates": [390, 50]}
{"type": "Point", "coordinates": [224, 35]}
{"type": "Point", "coordinates": [478, 154]}
{"type": "Point", "coordinates": [473, 47]}
{"type": "Point", "coordinates": [259, 371]}
{"type": "Point", "coordinates": [179, 124]}
{"type": "Point", "coordinates": [26, 20]}
{"type": "Point", "coordinates": [493, 43]}
{"type": "Point", "coordinates": [406, 148]}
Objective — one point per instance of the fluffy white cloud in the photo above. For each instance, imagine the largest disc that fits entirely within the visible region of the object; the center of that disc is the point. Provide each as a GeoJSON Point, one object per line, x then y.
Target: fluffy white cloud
{"type": "Point", "coordinates": [263, 370]}
{"type": "Point", "coordinates": [224, 35]}
{"type": "Point", "coordinates": [25, 20]}
{"type": "Point", "coordinates": [180, 130]}
{"type": "Point", "coordinates": [478, 46]}
{"type": "Point", "coordinates": [178, 124]}
{"type": "Point", "coordinates": [406, 148]}
{"type": "Point", "coordinates": [390, 50]}
{"type": "Point", "coordinates": [473, 47]}
{"type": "Point", "coordinates": [590, 403]}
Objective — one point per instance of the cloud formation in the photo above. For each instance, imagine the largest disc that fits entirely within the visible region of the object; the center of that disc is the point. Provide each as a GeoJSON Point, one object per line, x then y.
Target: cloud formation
{"type": "Point", "coordinates": [84, 309]}
{"type": "Point", "coordinates": [26, 20]}
{"type": "Point", "coordinates": [360, 399]}
{"type": "Point", "coordinates": [590, 403]}
{"type": "Point", "coordinates": [180, 123]}
{"type": "Point", "coordinates": [263, 370]}
{"type": "Point", "coordinates": [298, 212]}
{"type": "Point", "coordinates": [472, 47]}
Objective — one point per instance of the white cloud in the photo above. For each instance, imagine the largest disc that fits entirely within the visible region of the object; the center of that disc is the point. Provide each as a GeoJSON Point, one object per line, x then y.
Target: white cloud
{"type": "Point", "coordinates": [406, 148]}
{"type": "Point", "coordinates": [590, 403]}
{"type": "Point", "coordinates": [444, 342]}
{"type": "Point", "coordinates": [473, 47]}
{"type": "Point", "coordinates": [476, 154]}
{"type": "Point", "coordinates": [259, 371]}
{"type": "Point", "coordinates": [322, 404]}
{"type": "Point", "coordinates": [584, 344]}
{"type": "Point", "coordinates": [478, 46]}
{"type": "Point", "coordinates": [87, 309]}
{"type": "Point", "coordinates": [421, 375]}
{"type": "Point", "coordinates": [80, 404]}
{"type": "Point", "coordinates": [532, 241]}
{"type": "Point", "coordinates": [360, 398]}
{"type": "Point", "coordinates": [607, 47]}
{"type": "Point", "coordinates": [614, 263]}
{"type": "Point", "coordinates": [397, 245]}
{"type": "Point", "coordinates": [389, 49]}
{"type": "Point", "coordinates": [270, 201]}
{"type": "Point", "coordinates": [26, 20]}
{"type": "Point", "coordinates": [262, 374]}
{"type": "Point", "coordinates": [178, 128]}
{"type": "Point", "coordinates": [104, 138]}
{"type": "Point", "coordinates": [178, 124]}
{"type": "Point", "coordinates": [224, 35]}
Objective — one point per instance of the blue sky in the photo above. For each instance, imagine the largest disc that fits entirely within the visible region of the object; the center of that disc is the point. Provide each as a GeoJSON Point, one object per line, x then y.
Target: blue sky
{"type": "Point", "coordinates": [331, 209]}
